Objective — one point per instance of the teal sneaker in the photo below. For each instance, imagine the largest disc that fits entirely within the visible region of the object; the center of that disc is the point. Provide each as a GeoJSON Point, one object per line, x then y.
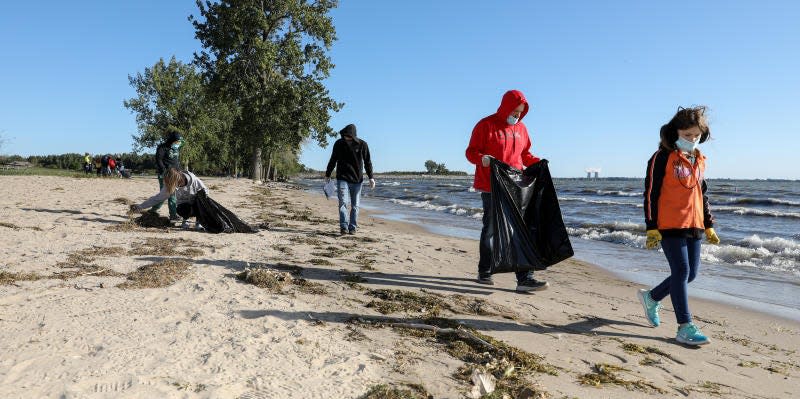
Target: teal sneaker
{"type": "Point", "coordinates": [689, 334]}
{"type": "Point", "coordinates": [650, 307]}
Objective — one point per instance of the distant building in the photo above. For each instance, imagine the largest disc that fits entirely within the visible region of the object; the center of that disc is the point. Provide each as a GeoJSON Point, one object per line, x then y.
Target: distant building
{"type": "Point", "coordinates": [590, 171]}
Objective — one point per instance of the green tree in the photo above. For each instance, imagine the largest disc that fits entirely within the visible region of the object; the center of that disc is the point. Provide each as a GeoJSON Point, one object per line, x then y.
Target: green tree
{"type": "Point", "coordinates": [431, 165]}
{"type": "Point", "coordinates": [269, 57]}
{"type": "Point", "coordinates": [172, 97]}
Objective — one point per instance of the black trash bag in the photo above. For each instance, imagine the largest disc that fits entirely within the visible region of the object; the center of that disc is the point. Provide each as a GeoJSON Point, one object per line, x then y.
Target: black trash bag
{"type": "Point", "coordinates": [215, 218]}
{"type": "Point", "coordinates": [526, 230]}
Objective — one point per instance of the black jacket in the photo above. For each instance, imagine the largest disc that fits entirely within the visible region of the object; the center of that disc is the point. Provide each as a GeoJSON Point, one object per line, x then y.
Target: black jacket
{"type": "Point", "coordinates": [165, 157]}
{"type": "Point", "coordinates": [350, 159]}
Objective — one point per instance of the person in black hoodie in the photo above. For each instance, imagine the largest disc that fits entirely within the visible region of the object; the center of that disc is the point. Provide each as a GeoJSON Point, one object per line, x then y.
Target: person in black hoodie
{"type": "Point", "coordinates": [350, 156]}
{"type": "Point", "coordinates": [168, 156]}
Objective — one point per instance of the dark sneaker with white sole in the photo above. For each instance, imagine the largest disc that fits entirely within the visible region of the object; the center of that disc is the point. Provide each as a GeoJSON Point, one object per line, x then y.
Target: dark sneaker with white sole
{"type": "Point", "coordinates": [487, 280]}
{"type": "Point", "coordinates": [532, 285]}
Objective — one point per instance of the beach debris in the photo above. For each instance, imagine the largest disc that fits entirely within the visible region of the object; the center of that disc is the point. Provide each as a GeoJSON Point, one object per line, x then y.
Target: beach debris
{"type": "Point", "coordinates": [603, 374]}
{"type": "Point", "coordinates": [397, 391]}
{"type": "Point", "coordinates": [157, 275]}
{"type": "Point", "coordinates": [392, 301]}
{"type": "Point", "coordinates": [9, 278]}
{"type": "Point", "coordinates": [122, 200]}
{"type": "Point", "coordinates": [276, 280]}
{"type": "Point", "coordinates": [484, 383]}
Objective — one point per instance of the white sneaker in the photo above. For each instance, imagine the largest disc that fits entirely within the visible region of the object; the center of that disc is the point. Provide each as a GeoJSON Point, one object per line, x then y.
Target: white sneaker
{"type": "Point", "coordinates": [185, 224]}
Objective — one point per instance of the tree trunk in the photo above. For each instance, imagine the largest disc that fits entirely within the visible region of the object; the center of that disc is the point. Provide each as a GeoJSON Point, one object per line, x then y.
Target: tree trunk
{"type": "Point", "coordinates": [256, 164]}
{"type": "Point", "coordinates": [269, 166]}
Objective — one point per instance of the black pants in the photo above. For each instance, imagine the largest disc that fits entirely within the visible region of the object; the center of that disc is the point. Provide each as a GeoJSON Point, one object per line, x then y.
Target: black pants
{"type": "Point", "coordinates": [186, 210]}
{"type": "Point", "coordinates": [485, 246]}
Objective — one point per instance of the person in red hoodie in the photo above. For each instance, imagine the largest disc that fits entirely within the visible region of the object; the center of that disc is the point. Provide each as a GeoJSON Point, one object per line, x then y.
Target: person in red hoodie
{"type": "Point", "coordinates": [503, 136]}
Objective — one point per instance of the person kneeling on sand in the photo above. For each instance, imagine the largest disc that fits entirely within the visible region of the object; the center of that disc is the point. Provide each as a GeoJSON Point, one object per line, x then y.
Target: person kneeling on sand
{"type": "Point", "coordinates": [185, 186]}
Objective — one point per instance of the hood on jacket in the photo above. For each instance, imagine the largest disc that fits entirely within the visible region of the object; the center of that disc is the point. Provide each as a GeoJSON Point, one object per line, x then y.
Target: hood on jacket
{"type": "Point", "coordinates": [349, 130]}
{"type": "Point", "coordinates": [173, 137]}
{"type": "Point", "coordinates": [512, 99]}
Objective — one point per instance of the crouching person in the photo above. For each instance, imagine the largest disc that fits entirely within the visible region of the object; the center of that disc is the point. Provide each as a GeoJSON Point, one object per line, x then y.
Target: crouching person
{"type": "Point", "coordinates": [185, 186]}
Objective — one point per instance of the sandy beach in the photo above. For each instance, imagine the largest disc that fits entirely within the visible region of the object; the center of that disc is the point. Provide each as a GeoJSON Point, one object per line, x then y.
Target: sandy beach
{"type": "Point", "coordinates": [92, 307]}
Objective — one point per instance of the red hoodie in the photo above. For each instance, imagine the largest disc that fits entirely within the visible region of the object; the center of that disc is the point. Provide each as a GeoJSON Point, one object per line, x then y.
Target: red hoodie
{"type": "Point", "coordinates": [494, 136]}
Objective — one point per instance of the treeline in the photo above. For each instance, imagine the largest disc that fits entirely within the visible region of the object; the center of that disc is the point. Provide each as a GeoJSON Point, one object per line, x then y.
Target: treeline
{"type": "Point", "coordinates": [138, 163]}
{"type": "Point", "coordinates": [251, 97]}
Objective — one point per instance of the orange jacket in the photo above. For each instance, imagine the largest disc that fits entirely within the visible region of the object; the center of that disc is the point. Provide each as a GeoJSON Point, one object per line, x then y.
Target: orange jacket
{"type": "Point", "coordinates": [675, 199]}
{"type": "Point", "coordinates": [493, 136]}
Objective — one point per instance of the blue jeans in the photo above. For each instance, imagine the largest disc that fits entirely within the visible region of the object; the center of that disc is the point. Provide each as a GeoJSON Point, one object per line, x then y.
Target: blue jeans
{"type": "Point", "coordinates": [354, 192]}
{"type": "Point", "coordinates": [485, 246]}
{"type": "Point", "coordinates": [683, 255]}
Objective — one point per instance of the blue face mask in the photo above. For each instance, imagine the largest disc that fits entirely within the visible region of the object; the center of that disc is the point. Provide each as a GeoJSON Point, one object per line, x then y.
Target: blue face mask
{"type": "Point", "coordinates": [686, 145]}
{"type": "Point", "coordinates": [512, 120]}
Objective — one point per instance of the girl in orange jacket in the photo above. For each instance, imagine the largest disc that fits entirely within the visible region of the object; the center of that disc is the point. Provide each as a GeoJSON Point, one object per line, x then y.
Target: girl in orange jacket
{"type": "Point", "coordinates": [677, 214]}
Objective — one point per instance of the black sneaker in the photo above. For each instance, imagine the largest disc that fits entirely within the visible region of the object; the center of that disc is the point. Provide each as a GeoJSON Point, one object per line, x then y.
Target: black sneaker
{"type": "Point", "coordinates": [487, 280]}
{"type": "Point", "coordinates": [351, 232]}
{"type": "Point", "coordinates": [342, 232]}
{"type": "Point", "coordinates": [531, 285]}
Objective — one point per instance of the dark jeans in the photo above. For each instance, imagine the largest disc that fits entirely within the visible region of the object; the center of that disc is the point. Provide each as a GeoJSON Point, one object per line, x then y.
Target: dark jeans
{"type": "Point", "coordinates": [485, 261]}
{"type": "Point", "coordinates": [683, 255]}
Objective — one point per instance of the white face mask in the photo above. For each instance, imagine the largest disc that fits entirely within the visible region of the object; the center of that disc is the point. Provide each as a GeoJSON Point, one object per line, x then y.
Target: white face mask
{"type": "Point", "coordinates": [686, 145]}
{"type": "Point", "coordinates": [512, 120]}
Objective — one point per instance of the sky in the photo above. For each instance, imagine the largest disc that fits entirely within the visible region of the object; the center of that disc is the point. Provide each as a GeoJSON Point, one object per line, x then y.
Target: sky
{"type": "Point", "coordinates": [416, 76]}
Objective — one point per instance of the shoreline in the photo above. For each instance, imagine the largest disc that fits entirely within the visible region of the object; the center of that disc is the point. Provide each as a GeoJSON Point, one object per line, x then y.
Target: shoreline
{"type": "Point", "coordinates": [706, 295]}
{"type": "Point", "coordinates": [209, 334]}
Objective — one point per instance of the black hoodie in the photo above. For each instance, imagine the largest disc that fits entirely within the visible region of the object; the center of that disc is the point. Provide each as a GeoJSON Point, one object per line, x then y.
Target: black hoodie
{"type": "Point", "coordinates": [165, 159]}
{"type": "Point", "coordinates": [350, 157]}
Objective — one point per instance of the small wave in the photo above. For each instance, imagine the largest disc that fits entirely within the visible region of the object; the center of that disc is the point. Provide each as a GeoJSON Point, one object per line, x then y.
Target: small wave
{"type": "Point", "coordinates": [427, 205]}
{"type": "Point", "coordinates": [600, 202]}
{"type": "Point", "coordinates": [755, 212]}
{"type": "Point", "coordinates": [758, 201]}
{"type": "Point", "coordinates": [612, 193]}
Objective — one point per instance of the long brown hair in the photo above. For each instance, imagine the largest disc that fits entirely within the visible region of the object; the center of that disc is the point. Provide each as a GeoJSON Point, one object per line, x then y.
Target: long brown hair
{"type": "Point", "coordinates": [685, 118]}
{"type": "Point", "coordinates": [172, 179]}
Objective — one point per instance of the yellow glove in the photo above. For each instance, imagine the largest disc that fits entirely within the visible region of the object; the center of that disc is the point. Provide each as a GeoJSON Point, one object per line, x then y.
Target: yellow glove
{"type": "Point", "coordinates": [711, 236]}
{"type": "Point", "coordinates": [653, 238]}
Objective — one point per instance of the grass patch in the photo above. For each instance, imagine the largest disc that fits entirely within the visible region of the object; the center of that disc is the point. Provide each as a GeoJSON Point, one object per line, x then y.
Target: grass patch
{"type": "Point", "coordinates": [477, 306]}
{"type": "Point", "coordinates": [87, 270]}
{"type": "Point", "coordinates": [330, 252]}
{"type": "Point", "coordinates": [648, 350]}
{"type": "Point", "coordinates": [365, 261]}
{"type": "Point", "coordinates": [403, 391]}
{"type": "Point", "coordinates": [603, 374]}
{"type": "Point", "coordinates": [748, 364]}
{"type": "Point", "coordinates": [83, 259]}
{"type": "Point", "coordinates": [306, 240]}
{"type": "Point", "coordinates": [9, 226]}
{"type": "Point", "coordinates": [153, 246]}
{"type": "Point", "coordinates": [276, 278]}
{"type": "Point", "coordinates": [123, 201]}
{"type": "Point", "coordinates": [148, 220]}
{"type": "Point", "coordinates": [511, 366]}
{"type": "Point", "coordinates": [353, 280]}
{"type": "Point", "coordinates": [392, 301]}
{"type": "Point", "coordinates": [282, 249]}
{"type": "Point", "coordinates": [320, 262]}
{"type": "Point", "coordinates": [8, 278]}
{"type": "Point", "coordinates": [157, 275]}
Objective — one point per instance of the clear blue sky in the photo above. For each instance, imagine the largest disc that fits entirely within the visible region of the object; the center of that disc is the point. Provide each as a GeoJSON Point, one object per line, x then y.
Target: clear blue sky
{"type": "Point", "coordinates": [601, 76]}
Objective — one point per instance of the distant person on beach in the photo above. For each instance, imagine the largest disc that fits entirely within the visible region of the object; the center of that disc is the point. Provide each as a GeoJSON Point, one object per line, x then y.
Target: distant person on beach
{"type": "Point", "coordinates": [98, 166]}
{"type": "Point", "coordinates": [87, 163]}
{"type": "Point", "coordinates": [112, 166]}
{"type": "Point", "coordinates": [168, 156]}
{"type": "Point", "coordinates": [350, 156]}
{"type": "Point", "coordinates": [676, 213]}
{"type": "Point", "coordinates": [184, 186]}
{"type": "Point", "coordinates": [503, 136]}
{"type": "Point", "coordinates": [104, 165]}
